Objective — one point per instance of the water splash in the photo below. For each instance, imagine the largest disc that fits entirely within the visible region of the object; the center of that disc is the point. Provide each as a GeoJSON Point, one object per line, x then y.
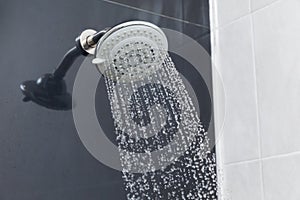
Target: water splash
{"type": "Point", "coordinates": [160, 135]}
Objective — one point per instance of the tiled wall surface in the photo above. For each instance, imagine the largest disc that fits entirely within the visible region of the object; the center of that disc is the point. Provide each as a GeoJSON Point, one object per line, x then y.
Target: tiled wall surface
{"type": "Point", "coordinates": [255, 51]}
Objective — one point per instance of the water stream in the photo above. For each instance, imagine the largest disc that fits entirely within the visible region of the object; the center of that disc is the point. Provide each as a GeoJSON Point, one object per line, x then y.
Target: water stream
{"type": "Point", "coordinates": [164, 149]}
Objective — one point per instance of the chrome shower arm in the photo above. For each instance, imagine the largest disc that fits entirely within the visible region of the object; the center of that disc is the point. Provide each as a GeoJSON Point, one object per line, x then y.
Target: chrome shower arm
{"type": "Point", "coordinates": [49, 90]}
{"type": "Point", "coordinates": [85, 45]}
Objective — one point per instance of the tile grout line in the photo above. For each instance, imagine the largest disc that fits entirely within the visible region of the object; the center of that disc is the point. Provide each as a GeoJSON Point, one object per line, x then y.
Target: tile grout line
{"type": "Point", "coordinates": [296, 153]}
{"type": "Point", "coordinates": [232, 22]}
{"type": "Point", "coordinates": [246, 14]}
{"type": "Point", "coordinates": [257, 108]}
{"type": "Point", "coordinates": [264, 7]}
{"type": "Point", "coordinates": [250, 6]}
{"type": "Point", "coordinates": [242, 162]}
{"type": "Point", "coordinates": [157, 14]}
{"type": "Point", "coordinates": [283, 155]}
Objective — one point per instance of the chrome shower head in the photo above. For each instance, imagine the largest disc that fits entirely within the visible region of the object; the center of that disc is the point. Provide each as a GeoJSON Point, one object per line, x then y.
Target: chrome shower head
{"type": "Point", "coordinates": [131, 51]}
{"type": "Point", "coordinates": [128, 51]}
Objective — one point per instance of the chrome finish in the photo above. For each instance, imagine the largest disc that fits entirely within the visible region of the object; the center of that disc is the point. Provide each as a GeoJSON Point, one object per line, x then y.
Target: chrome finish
{"type": "Point", "coordinates": [86, 41]}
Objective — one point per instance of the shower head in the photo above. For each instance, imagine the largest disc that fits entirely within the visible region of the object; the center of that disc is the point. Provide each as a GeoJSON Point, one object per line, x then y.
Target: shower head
{"type": "Point", "coordinates": [128, 51]}
{"type": "Point", "coordinates": [131, 51]}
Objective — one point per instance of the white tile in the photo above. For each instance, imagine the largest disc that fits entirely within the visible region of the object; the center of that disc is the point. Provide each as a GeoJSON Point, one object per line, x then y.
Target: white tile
{"type": "Point", "coordinates": [282, 178]}
{"type": "Point", "coordinates": [230, 10]}
{"type": "Point", "coordinates": [277, 49]}
{"type": "Point", "coordinates": [257, 4]}
{"type": "Point", "coordinates": [243, 182]}
{"type": "Point", "coordinates": [234, 61]}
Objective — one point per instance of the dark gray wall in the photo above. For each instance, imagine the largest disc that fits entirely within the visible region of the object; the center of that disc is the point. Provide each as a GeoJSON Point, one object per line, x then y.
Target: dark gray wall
{"type": "Point", "coordinates": [41, 156]}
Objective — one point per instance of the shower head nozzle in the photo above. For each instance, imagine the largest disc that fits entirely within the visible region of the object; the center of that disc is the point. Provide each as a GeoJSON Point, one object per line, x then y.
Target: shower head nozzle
{"type": "Point", "coordinates": [131, 51]}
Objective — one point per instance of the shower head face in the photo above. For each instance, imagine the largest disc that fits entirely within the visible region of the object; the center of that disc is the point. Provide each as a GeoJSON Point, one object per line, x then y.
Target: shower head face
{"type": "Point", "coordinates": [131, 51]}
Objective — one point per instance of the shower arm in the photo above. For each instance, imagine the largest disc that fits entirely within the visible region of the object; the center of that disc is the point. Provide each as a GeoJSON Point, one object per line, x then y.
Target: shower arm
{"type": "Point", "coordinates": [49, 90]}
{"type": "Point", "coordinates": [85, 45]}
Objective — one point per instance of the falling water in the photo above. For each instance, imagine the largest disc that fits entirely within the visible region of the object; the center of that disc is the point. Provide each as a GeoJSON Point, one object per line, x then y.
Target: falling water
{"type": "Point", "coordinates": [164, 149]}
